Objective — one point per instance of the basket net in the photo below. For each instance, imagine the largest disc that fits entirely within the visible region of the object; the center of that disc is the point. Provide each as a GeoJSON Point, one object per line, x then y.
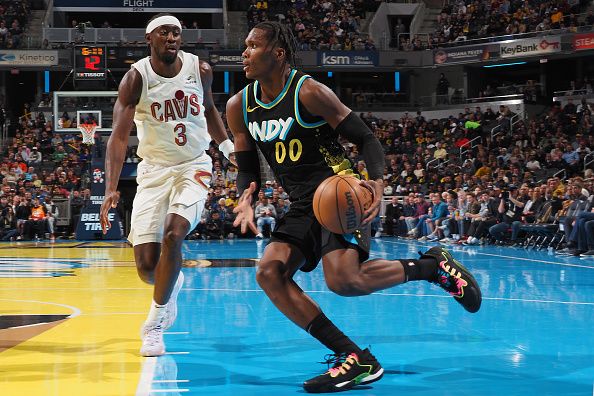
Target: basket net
{"type": "Point", "coordinates": [88, 133]}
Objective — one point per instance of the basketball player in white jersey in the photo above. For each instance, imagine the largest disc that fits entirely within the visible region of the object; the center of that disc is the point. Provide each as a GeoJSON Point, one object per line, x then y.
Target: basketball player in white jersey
{"type": "Point", "coordinates": [168, 96]}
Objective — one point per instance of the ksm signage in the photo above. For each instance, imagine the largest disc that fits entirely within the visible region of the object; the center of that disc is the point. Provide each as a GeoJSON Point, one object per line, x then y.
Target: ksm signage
{"type": "Point", "coordinates": [347, 58]}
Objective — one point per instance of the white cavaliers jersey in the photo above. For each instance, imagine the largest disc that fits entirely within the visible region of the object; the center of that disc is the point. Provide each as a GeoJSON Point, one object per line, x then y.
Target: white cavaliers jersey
{"type": "Point", "coordinates": [169, 117]}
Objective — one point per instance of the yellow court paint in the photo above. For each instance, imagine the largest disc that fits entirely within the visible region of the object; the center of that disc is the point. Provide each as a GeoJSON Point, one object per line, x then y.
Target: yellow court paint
{"type": "Point", "coordinates": [93, 353]}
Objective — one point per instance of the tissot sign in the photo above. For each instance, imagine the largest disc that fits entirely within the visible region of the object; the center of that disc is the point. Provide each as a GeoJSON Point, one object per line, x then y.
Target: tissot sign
{"type": "Point", "coordinates": [347, 58]}
{"type": "Point", "coordinates": [533, 46]}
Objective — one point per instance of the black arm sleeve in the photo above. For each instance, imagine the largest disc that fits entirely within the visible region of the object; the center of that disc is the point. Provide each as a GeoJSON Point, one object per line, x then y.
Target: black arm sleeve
{"type": "Point", "coordinates": [355, 130]}
{"type": "Point", "coordinates": [249, 171]}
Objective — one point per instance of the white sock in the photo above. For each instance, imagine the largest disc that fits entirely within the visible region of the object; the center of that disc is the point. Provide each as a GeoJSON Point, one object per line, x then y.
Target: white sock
{"type": "Point", "coordinates": [156, 312]}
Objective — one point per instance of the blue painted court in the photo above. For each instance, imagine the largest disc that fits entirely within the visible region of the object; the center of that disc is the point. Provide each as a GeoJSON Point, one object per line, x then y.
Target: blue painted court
{"type": "Point", "coordinates": [533, 335]}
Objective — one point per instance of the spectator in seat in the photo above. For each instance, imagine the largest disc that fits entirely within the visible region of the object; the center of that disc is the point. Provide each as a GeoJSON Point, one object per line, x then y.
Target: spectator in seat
{"type": "Point", "coordinates": [427, 223]}
{"type": "Point", "coordinates": [394, 220]}
{"type": "Point", "coordinates": [36, 224]}
{"type": "Point", "coordinates": [35, 157]}
{"type": "Point", "coordinates": [214, 228]}
{"type": "Point", "coordinates": [265, 216]}
{"type": "Point", "coordinates": [487, 216]}
{"type": "Point", "coordinates": [22, 210]}
{"type": "Point", "coordinates": [52, 213]}
{"type": "Point", "coordinates": [268, 189]}
{"type": "Point", "coordinates": [511, 206]}
{"type": "Point", "coordinates": [467, 211]}
{"type": "Point", "coordinates": [281, 208]}
{"type": "Point", "coordinates": [8, 224]}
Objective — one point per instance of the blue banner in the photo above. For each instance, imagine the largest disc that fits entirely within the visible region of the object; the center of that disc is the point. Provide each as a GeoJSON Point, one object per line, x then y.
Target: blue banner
{"type": "Point", "coordinates": [89, 227]}
{"type": "Point", "coordinates": [141, 5]}
{"type": "Point", "coordinates": [347, 58]}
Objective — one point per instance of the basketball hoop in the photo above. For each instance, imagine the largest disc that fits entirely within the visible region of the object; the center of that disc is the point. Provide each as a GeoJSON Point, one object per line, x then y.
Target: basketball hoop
{"type": "Point", "coordinates": [88, 133]}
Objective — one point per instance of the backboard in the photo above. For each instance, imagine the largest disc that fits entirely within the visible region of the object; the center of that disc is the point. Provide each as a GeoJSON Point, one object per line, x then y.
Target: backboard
{"type": "Point", "coordinates": [73, 107]}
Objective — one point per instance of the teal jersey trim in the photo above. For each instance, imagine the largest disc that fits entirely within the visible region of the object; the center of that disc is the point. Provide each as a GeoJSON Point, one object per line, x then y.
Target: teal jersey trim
{"type": "Point", "coordinates": [280, 95]}
{"type": "Point", "coordinates": [296, 104]}
{"type": "Point", "coordinates": [244, 105]}
{"type": "Point", "coordinates": [350, 238]}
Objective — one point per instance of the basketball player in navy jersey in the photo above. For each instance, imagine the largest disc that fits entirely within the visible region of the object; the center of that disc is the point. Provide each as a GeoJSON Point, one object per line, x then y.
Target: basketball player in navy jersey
{"type": "Point", "coordinates": [168, 96]}
{"type": "Point", "coordinates": [295, 121]}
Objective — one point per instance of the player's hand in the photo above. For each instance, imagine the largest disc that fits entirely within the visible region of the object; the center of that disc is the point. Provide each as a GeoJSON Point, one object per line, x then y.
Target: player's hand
{"type": "Point", "coordinates": [244, 210]}
{"type": "Point", "coordinates": [377, 191]}
{"type": "Point", "coordinates": [110, 201]}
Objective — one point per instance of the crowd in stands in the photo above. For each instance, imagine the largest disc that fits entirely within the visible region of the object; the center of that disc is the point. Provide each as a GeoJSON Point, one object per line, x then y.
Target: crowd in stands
{"type": "Point", "coordinates": [13, 19]}
{"type": "Point", "coordinates": [469, 19]}
{"type": "Point", "coordinates": [456, 183]}
{"type": "Point", "coordinates": [38, 168]}
{"type": "Point", "coordinates": [491, 193]}
{"type": "Point", "coordinates": [318, 24]}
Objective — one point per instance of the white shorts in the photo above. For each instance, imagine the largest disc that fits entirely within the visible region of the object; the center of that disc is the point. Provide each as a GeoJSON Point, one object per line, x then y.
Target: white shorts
{"type": "Point", "coordinates": [179, 189]}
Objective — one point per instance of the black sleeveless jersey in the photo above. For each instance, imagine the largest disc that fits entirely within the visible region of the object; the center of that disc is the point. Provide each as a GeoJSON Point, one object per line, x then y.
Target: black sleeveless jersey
{"type": "Point", "coordinates": [301, 149]}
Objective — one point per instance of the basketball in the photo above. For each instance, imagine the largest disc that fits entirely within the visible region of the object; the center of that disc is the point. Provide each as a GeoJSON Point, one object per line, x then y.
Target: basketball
{"type": "Point", "coordinates": [339, 203]}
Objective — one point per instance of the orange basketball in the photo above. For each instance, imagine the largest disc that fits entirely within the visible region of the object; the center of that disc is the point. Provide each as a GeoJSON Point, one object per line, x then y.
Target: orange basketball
{"type": "Point", "coordinates": [339, 203]}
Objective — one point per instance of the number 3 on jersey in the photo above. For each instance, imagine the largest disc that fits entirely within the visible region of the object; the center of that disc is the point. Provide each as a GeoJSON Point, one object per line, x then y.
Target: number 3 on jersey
{"type": "Point", "coordinates": [180, 134]}
{"type": "Point", "coordinates": [295, 149]}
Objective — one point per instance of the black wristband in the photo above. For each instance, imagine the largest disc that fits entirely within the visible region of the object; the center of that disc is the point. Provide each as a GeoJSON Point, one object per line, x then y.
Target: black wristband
{"type": "Point", "coordinates": [248, 165]}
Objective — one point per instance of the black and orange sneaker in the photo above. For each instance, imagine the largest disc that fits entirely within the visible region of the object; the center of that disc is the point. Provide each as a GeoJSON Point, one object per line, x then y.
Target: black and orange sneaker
{"type": "Point", "coordinates": [454, 278]}
{"type": "Point", "coordinates": [347, 372]}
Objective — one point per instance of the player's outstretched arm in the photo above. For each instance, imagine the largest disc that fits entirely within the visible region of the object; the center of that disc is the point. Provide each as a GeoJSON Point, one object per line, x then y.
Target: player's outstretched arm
{"type": "Point", "coordinates": [248, 177]}
{"type": "Point", "coordinates": [319, 100]}
{"type": "Point", "coordinates": [123, 116]}
{"type": "Point", "coordinates": [216, 128]}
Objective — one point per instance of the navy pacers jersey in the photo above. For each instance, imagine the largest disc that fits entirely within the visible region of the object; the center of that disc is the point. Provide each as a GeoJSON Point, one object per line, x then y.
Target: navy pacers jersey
{"type": "Point", "coordinates": [301, 149]}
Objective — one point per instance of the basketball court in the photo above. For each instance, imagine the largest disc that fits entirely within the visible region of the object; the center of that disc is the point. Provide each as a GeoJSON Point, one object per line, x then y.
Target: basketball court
{"type": "Point", "coordinates": [70, 314]}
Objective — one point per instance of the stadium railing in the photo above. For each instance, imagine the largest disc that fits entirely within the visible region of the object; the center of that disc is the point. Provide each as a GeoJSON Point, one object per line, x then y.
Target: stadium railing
{"type": "Point", "coordinates": [129, 35]}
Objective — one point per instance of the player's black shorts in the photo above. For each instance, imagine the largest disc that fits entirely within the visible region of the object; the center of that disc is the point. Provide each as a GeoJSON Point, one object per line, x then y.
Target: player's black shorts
{"type": "Point", "coordinates": [300, 227]}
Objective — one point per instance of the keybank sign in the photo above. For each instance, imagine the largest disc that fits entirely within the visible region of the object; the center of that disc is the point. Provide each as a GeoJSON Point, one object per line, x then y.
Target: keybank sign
{"type": "Point", "coordinates": [347, 58]}
{"type": "Point", "coordinates": [532, 46]}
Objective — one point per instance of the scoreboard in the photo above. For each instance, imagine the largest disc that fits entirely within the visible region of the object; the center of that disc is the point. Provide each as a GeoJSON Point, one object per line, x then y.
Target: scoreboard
{"type": "Point", "coordinates": [90, 62]}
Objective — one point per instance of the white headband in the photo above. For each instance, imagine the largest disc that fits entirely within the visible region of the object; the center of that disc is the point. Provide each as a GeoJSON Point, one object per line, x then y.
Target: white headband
{"type": "Point", "coordinates": [163, 20]}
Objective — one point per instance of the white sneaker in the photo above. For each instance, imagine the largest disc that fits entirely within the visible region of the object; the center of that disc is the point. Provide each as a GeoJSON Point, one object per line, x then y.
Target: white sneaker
{"type": "Point", "coordinates": [378, 234]}
{"type": "Point", "coordinates": [170, 310]}
{"type": "Point", "coordinates": [152, 343]}
{"type": "Point", "coordinates": [259, 236]}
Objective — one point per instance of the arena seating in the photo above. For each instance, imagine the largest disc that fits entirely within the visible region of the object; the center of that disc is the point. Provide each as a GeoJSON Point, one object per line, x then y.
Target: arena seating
{"type": "Point", "coordinates": [13, 21]}
{"type": "Point", "coordinates": [318, 24]}
{"type": "Point", "coordinates": [425, 157]}
{"type": "Point", "coordinates": [466, 20]}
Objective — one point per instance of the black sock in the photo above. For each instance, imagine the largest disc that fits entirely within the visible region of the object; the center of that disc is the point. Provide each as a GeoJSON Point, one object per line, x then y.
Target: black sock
{"type": "Point", "coordinates": [324, 331]}
{"type": "Point", "coordinates": [422, 269]}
